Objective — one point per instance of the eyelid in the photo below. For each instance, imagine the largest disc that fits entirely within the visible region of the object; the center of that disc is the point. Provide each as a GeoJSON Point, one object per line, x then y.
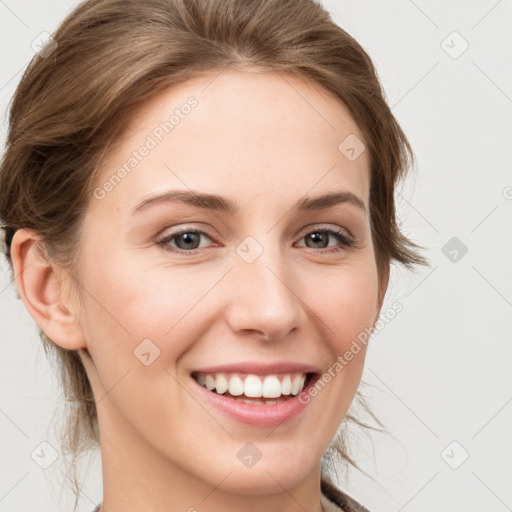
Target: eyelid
{"type": "Point", "coordinates": [175, 230]}
{"type": "Point", "coordinates": [305, 230]}
{"type": "Point", "coordinates": [185, 229]}
{"type": "Point", "coordinates": [321, 226]}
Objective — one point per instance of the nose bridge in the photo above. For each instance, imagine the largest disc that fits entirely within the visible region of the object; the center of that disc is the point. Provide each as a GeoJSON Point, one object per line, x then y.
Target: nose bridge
{"type": "Point", "coordinates": [261, 293]}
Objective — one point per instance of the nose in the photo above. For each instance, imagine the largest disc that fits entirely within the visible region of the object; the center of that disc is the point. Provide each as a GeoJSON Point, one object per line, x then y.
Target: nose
{"type": "Point", "coordinates": [262, 298]}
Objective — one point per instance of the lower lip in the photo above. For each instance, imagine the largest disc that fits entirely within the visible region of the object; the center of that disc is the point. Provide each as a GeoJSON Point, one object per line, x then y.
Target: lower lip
{"type": "Point", "coordinates": [259, 415]}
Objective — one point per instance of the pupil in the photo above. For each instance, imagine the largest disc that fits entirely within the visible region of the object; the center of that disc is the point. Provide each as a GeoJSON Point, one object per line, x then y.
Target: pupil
{"type": "Point", "coordinates": [187, 237]}
{"type": "Point", "coordinates": [317, 237]}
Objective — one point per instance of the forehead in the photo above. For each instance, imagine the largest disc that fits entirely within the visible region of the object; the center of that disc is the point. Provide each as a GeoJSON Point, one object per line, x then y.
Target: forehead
{"type": "Point", "coordinates": [248, 132]}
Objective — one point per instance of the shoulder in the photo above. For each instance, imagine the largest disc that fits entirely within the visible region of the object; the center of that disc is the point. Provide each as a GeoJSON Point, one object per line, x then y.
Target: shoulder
{"type": "Point", "coordinates": [336, 500]}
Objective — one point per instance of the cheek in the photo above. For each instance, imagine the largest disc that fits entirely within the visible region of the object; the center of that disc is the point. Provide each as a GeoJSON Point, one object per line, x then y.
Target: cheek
{"type": "Point", "coordinates": [346, 303]}
{"type": "Point", "coordinates": [128, 303]}
{"type": "Point", "coordinates": [344, 306]}
{"type": "Point", "coordinates": [138, 324]}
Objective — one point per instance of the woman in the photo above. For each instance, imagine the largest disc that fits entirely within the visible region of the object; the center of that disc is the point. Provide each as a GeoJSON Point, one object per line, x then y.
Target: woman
{"type": "Point", "coordinates": [215, 376]}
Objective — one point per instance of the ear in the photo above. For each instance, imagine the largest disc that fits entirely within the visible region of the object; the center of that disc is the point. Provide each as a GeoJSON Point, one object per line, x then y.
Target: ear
{"type": "Point", "coordinates": [41, 286]}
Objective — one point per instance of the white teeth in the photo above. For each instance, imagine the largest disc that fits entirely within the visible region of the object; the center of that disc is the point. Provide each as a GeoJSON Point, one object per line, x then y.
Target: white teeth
{"type": "Point", "coordinates": [221, 383]}
{"type": "Point", "coordinates": [286, 385]}
{"type": "Point", "coordinates": [210, 382]}
{"type": "Point", "coordinates": [271, 387]}
{"type": "Point", "coordinates": [298, 384]}
{"type": "Point", "coordinates": [253, 386]}
{"type": "Point", "coordinates": [236, 386]}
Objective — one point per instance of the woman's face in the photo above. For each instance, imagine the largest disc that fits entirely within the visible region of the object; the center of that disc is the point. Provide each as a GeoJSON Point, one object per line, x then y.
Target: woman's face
{"type": "Point", "coordinates": [258, 283]}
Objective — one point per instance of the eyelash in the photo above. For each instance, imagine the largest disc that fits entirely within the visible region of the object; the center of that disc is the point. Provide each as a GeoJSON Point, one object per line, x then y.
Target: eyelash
{"type": "Point", "coordinates": [346, 241]}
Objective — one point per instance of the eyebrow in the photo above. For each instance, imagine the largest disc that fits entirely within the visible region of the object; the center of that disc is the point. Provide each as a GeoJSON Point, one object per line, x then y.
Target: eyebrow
{"type": "Point", "coordinates": [225, 205]}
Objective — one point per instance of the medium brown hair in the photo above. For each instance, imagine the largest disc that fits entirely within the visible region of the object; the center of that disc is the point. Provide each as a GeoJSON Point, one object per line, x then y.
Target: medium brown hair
{"type": "Point", "coordinates": [113, 56]}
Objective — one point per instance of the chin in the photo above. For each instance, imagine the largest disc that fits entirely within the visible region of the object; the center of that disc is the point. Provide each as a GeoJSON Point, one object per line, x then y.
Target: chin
{"type": "Point", "coordinates": [264, 477]}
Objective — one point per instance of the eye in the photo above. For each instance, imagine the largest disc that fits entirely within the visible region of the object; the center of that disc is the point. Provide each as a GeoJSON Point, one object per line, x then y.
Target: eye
{"type": "Point", "coordinates": [186, 241]}
{"type": "Point", "coordinates": [320, 237]}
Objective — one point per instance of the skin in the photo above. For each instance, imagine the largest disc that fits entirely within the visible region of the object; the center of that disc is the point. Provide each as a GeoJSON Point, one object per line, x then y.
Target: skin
{"type": "Point", "coordinates": [265, 140]}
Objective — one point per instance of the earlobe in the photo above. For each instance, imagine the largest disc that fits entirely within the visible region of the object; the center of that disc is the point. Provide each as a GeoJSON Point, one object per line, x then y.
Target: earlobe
{"type": "Point", "coordinates": [40, 284]}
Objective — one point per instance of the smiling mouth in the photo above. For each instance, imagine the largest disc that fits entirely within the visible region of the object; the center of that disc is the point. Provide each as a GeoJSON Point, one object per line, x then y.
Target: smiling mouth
{"type": "Point", "coordinates": [255, 389]}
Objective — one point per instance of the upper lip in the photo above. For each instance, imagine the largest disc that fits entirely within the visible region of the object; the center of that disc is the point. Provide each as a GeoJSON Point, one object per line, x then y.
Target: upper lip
{"type": "Point", "coordinates": [260, 368]}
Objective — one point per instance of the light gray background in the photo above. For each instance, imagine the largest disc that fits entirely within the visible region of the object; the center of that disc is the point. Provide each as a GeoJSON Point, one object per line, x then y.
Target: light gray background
{"type": "Point", "coordinates": [440, 371]}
